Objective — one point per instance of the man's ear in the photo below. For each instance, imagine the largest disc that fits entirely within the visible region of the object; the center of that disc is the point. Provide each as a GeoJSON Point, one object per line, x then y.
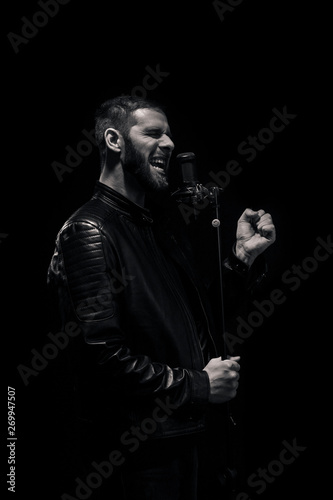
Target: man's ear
{"type": "Point", "coordinates": [113, 140]}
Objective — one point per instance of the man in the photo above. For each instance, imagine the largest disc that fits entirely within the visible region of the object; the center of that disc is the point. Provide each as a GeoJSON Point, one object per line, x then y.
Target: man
{"type": "Point", "coordinates": [145, 366]}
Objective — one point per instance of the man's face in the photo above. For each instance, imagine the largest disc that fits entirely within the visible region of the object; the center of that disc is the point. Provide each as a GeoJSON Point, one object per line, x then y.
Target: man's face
{"type": "Point", "coordinates": [148, 149]}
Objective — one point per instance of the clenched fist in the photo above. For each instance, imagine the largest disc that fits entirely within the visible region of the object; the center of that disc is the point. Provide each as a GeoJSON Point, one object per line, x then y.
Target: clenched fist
{"type": "Point", "coordinates": [223, 378]}
{"type": "Point", "coordinates": [255, 233]}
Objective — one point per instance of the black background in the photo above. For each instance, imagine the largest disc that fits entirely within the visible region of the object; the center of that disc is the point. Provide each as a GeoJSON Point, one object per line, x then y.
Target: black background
{"type": "Point", "coordinates": [225, 78]}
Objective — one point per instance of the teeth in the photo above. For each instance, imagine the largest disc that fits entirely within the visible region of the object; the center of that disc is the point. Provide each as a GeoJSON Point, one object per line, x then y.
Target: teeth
{"type": "Point", "coordinates": [158, 162]}
{"type": "Point", "coordinates": [158, 168]}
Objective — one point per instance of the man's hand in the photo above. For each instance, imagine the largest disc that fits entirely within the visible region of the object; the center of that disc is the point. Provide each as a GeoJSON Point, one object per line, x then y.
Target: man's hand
{"type": "Point", "coordinates": [255, 232]}
{"type": "Point", "coordinates": [223, 378]}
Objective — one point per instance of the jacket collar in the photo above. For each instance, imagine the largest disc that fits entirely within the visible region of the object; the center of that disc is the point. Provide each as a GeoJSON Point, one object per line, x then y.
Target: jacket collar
{"type": "Point", "coordinates": [122, 204]}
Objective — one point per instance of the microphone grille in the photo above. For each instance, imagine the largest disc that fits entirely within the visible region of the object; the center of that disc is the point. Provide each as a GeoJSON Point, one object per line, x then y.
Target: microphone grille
{"type": "Point", "coordinates": [188, 167]}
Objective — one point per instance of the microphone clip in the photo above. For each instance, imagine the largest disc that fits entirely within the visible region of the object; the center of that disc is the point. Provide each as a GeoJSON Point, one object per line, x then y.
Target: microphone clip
{"type": "Point", "coordinates": [195, 194]}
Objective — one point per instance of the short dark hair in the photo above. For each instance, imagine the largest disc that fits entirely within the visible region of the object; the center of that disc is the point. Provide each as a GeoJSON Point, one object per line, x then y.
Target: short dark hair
{"type": "Point", "coordinates": [116, 113]}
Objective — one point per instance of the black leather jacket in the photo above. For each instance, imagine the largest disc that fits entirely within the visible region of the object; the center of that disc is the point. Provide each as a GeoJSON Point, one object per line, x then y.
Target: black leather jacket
{"type": "Point", "coordinates": [147, 330]}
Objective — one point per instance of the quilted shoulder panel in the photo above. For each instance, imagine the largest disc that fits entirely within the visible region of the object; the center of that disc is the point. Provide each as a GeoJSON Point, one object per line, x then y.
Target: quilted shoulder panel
{"type": "Point", "coordinates": [82, 247]}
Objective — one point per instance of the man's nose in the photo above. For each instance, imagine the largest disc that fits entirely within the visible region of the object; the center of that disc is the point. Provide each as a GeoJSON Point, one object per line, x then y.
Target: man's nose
{"type": "Point", "coordinates": [166, 143]}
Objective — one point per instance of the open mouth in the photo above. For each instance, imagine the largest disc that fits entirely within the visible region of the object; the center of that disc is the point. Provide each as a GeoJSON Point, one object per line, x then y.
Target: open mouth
{"type": "Point", "coordinates": [159, 163]}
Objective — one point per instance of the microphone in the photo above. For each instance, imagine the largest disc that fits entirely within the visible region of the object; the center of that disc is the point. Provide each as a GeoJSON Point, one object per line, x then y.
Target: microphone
{"type": "Point", "coordinates": [187, 162]}
{"type": "Point", "coordinates": [190, 191]}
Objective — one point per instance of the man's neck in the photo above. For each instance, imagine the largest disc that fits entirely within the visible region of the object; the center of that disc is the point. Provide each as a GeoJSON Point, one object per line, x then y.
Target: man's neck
{"type": "Point", "coordinates": [125, 185]}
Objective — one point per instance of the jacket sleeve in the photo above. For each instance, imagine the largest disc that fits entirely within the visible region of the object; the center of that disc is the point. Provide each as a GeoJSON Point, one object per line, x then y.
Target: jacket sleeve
{"type": "Point", "coordinates": [83, 268]}
{"type": "Point", "coordinates": [243, 277]}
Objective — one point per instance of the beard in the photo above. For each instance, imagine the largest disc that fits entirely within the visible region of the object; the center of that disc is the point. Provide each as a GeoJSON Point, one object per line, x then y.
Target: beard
{"type": "Point", "coordinates": [136, 164]}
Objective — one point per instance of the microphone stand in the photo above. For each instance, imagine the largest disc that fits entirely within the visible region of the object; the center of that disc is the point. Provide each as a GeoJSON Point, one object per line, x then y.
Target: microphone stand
{"type": "Point", "coordinates": [229, 476]}
{"type": "Point", "coordinates": [195, 194]}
